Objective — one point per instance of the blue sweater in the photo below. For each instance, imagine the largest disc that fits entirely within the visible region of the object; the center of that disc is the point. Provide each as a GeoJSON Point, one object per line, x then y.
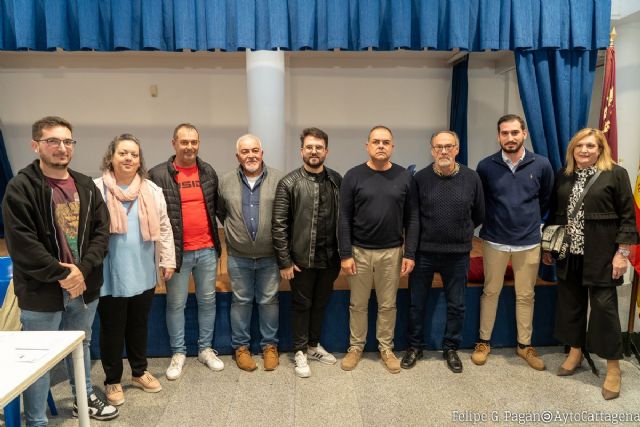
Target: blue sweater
{"type": "Point", "coordinates": [515, 202]}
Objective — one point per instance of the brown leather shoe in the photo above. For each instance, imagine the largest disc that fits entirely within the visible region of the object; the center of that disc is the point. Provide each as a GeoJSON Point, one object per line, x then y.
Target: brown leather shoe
{"type": "Point", "coordinates": [481, 353]}
{"type": "Point", "coordinates": [530, 355]}
{"type": "Point", "coordinates": [566, 372]}
{"type": "Point", "coordinates": [114, 394]}
{"type": "Point", "coordinates": [270, 356]}
{"type": "Point", "coordinates": [244, 359]}
{"type": "Point", "coordinates": [351, 359]}
{"type": "Point", "coordinates": [611, 386]}
{"type": "Point", "coordinates": [390, 360]}
{"type": "Point", "coordinates": [147, 382]}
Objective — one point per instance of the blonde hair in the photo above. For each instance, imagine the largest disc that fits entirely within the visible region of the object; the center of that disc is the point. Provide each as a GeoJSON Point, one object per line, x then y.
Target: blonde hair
{"type": "Point", "coordinates": [605, 161]}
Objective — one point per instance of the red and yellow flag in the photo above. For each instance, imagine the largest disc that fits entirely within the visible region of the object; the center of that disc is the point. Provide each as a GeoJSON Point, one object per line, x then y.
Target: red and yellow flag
{"type": "Point", "coordinates": [608, 119]}
{"type": "Point", "coordinates": [634, 257]}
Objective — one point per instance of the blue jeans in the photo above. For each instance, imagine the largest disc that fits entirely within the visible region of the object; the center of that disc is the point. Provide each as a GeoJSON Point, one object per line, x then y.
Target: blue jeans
{"type": "Point", "coordinates": [203, 264]}
{"type": "Point", "coordinates": [76, 317]}
{"type": "Point", "coordinates": [453, 268]}
{"type": "Point", "coordinates": [251, 278]}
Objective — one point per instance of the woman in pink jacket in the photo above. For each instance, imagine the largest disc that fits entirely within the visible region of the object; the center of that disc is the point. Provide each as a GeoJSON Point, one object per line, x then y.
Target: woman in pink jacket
{"type": "Point", "coordinates": [141, 241]}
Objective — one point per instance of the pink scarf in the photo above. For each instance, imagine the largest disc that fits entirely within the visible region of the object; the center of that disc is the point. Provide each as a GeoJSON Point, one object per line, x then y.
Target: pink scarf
{"type": "Point", "coordinates": [147, 213]}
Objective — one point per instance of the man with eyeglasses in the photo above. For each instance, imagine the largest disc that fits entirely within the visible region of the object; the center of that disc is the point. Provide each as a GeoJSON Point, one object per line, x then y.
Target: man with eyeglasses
{"type": "Point", "coordinates": [378, 214]}
{"type": "Point", "coordinates": [517, 188]}
{"type": "Point", "coordinates": [57, 233]}
{"type": "Point", "coordinates": [451, 206]}
{"type": "Point", "coordinates": [190, 188]}
{"type": "Point", "coordinates": [305, 218]}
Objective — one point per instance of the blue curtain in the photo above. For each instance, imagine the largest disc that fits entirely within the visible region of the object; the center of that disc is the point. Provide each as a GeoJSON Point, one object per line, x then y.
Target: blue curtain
{"type": "Point", "coordinates": [458, 109]}
{"type": "Point", "coordinates": [555, 89]}
{"type": "Point", "coordinates": [5, 176]}
{"type": "Point", "coordinates": [230, 25]}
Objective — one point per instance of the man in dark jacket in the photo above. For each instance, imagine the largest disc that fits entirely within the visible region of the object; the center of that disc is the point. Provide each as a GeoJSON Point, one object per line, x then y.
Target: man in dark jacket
{"type": "Point", "coordinates": [305, 216]}
{"type": "Point", "coordinates": [190, 188]}
{"type": "Point", "coordinates": [517, 188]}
{"type": "Point", "coordinates": [57, 233]}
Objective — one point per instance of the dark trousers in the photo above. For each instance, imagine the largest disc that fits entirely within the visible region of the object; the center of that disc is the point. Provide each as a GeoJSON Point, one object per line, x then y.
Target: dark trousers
{"type": "Point", "coordinates": [601, 334]}
{"type": "Point", "coordinates": [453, 268]}
{"type": "Point", "coordinates": [311, 290]}
{"type": "Point", "coordinates": [123, 320]}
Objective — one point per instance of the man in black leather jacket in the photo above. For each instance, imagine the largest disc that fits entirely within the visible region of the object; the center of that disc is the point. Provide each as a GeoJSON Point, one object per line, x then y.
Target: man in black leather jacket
{"type": "Point", "coordinates": [305, 216]}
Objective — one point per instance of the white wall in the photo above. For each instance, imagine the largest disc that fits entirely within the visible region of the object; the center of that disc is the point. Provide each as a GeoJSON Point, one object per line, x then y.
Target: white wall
{"type": "Point", "coordinates": [345, 94]}
{"type": "Point", "coordinates": [107, 94]}
{"type": "Point", "coordinates": [628, 92]}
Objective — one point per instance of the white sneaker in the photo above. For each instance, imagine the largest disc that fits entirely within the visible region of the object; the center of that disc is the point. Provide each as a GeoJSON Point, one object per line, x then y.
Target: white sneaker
{"type": "Point", "coordinates": [321, 355]}
{"type": "Point", "coordinates": [302, 367]}
{"type": "Point", "coordinates": [175, 368]}
{"type": "Point", "coordinates": [209, 357]}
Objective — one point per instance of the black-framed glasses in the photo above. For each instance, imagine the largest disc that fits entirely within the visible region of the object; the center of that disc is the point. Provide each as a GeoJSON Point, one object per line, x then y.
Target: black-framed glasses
{"type": "Point", "coordinates": [55, 142]}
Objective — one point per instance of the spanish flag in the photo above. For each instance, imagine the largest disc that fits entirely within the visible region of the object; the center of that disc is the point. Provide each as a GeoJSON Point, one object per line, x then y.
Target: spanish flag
{"type": "Point", "coordinates": [634, 257]}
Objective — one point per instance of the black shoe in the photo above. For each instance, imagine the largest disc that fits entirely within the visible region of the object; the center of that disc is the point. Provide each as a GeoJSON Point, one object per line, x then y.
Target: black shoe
{"type": "Point", "coordinates": [410, 357]}
{"type": "Point", "coordinates": [453, 361]}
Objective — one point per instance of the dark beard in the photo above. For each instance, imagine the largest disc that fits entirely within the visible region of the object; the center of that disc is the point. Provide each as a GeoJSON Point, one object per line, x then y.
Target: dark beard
{"type": "Point", "coordinates": [311, 165]}
{"type": "Point", "coordinates": [513, 150]}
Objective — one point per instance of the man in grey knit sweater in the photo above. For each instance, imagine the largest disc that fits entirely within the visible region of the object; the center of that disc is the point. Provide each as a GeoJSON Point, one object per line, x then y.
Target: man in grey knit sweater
{"type": "Point", "coordinates": [246, 201]}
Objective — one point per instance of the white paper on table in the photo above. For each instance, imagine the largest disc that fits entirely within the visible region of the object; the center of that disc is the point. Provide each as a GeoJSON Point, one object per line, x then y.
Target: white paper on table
{"type": "Point", "coordinates": [29, 355]}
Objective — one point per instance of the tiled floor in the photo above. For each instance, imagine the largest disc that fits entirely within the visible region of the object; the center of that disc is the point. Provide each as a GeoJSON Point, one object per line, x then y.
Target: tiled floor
{"type": "Point", "coordinates": [429, 394]}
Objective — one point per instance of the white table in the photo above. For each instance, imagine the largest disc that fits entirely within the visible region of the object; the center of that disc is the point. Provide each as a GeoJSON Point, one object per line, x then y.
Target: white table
{"type": "Point", "coordinates": [40, 352]}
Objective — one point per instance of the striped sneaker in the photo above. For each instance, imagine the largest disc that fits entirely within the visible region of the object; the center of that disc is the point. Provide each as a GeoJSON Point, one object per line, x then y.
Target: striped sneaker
{"type": "Point", "coordinates": [321, 355]}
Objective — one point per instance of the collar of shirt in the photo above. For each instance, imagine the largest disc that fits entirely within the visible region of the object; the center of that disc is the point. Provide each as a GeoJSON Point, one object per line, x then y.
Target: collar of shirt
{"type": "Point", "coordinates": [511, 164]}
{"type": "Point", "coordinates": [259, 178]}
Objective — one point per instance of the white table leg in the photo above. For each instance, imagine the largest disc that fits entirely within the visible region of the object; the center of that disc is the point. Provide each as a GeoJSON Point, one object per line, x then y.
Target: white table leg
{"type": "Point", "coordinates": [81, 386]}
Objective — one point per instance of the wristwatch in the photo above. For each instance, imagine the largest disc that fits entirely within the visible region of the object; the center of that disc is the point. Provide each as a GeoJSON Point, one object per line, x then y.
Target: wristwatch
{"type": "Point", "coordinates": [624, 252]}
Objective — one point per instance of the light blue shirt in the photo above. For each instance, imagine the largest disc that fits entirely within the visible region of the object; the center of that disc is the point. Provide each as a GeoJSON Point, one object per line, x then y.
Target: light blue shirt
{"type": "Point", "coordinates": [129, 268]}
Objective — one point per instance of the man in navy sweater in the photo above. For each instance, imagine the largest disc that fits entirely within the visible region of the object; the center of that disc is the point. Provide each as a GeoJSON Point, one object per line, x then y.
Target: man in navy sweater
{"type": "Point", "coordinates": [451, 206]}
{"type": "Point", "coordinates": [377, 215]}
{"type": "Point", "coordinates": [517, 187]}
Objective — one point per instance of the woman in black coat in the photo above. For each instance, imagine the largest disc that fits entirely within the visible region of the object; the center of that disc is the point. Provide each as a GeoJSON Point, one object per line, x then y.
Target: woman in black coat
{"type": "Point", "coordinates": [600, 236]}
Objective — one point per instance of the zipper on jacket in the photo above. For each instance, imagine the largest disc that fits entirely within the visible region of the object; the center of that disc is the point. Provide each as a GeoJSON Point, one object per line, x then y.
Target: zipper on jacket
{"type": "Point", "coordinates": [53, 225]}
{"type": "Point", "coordinates": [86, 219]}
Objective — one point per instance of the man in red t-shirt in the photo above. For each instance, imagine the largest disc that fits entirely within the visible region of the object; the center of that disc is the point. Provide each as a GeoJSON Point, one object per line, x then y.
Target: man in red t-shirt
{"type": "Point", "coordinates": [190, 189]}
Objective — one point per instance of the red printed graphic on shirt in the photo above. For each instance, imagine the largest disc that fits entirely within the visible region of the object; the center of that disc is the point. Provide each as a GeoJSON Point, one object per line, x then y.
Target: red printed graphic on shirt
{"type": "Point", "coordinates": [196, 232]}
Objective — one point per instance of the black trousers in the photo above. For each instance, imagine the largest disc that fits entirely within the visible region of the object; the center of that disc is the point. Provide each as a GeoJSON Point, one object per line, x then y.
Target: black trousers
{"type": "Point", "coordinates": [602, 334]}
{"type": "Point", "coordinates": [311, 290]}
{"type": "Point", "coordinates": [123, 320]}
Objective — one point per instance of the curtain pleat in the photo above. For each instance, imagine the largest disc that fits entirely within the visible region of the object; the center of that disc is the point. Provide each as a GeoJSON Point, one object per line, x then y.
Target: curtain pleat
{"type": "Point", "coordinates": [5, 176]}
{"type": "Point", "coordinates": [231, 25]}
{"type": "Point", "coordinates": [459, 103]}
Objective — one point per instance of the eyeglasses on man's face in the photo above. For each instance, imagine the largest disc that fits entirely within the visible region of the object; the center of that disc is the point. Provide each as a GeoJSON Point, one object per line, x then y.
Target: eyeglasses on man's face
{"type": "Point", "coordinates": [446, 147]}
{"type": "Point", "coordinates": [55, 142]}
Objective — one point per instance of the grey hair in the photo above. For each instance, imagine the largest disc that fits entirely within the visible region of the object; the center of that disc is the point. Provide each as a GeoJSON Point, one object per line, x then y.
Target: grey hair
{"type": "Point", "coordinates": [247, 136]}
